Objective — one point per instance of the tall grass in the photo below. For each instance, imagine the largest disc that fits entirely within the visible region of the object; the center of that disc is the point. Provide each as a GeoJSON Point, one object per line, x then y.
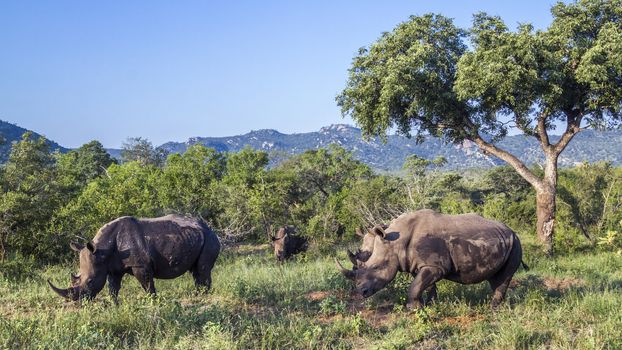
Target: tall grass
{"type": "Point", "coordinates": [569, 302]}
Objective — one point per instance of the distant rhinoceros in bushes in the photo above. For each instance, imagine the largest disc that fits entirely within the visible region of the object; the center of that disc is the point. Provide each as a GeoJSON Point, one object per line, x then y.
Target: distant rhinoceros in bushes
{"type": "Point", "coordinates": [164, 248]}
{"type": "Point", "coordinates": [462, 248]}
{"type": "Point", "coordinates": [287, 244]}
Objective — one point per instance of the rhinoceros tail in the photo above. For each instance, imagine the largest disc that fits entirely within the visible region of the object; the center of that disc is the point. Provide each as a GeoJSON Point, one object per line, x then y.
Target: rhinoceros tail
{"type": "Point", "coordinates": [524, 265]}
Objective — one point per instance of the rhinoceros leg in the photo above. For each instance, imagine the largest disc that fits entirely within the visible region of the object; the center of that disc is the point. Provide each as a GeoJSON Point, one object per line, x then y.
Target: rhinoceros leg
{"type": "Point", "coordinates": [499, 292]}
{"type": "Point", "coordinates": [145, 278]}
{"type": "Point", "coordinates": [114, 284]}
{"type": "Point", "coordinates": [202, 274]}
{"type": "Point", "coordinates": [202, 269]}
{"type": "Point", "coordinates": [425, 278]}
{"type": "Point", "coordinates": [501, 280]}
{"type": "Point", "coordinates": [431, 294]}
{"type": "Point", "coordinates": [202, 280]}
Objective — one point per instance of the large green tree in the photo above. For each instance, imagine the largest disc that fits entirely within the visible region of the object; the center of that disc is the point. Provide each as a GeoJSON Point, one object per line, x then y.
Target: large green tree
{"type": "Point", "coordinates": [422, 78]}
{"type": "Point", "coordinates": [141, 150]}
{"type": "Point", "coordinates": [28, 196]}
{"type": "Point", "coordinates": [187, 181]}
{"type": "Point", "coordinates": [76, 168]}
{"type": "Point", "coordinates": [128, 189]}
{"type": "Point", "coordinates": [320, 181]}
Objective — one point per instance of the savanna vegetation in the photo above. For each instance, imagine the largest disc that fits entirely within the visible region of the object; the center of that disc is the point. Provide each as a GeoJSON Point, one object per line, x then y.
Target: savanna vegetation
{"type": "Point", "coordinates": [48, 199]}
{"type": "Point", "coordinates": [421, 77]}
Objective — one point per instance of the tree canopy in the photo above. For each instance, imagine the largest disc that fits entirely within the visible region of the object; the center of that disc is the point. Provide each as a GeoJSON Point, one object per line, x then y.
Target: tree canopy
{"type": "Point", "coordinates": [423, 78]}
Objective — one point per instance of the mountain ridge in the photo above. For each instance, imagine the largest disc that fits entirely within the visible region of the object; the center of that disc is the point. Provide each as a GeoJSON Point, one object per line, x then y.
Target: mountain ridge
{"type": "Point", "coordinates": [589, 145]}
{"type": "Point", "coordinates": [10, 133]}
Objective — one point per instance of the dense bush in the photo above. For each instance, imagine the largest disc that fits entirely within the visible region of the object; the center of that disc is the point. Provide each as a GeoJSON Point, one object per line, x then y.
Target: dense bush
{"type": "Point", "coordinates": [49, 198]}
{"type": "Point", "coordinates": [589, 204]}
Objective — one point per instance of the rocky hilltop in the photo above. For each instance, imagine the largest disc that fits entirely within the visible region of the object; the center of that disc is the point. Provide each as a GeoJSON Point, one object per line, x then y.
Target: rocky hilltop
{"type": "Point", "coordinates": [587, 146]}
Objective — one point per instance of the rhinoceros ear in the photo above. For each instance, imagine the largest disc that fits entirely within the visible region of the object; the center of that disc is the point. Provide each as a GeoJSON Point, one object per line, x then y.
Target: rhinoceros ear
{"type": "Point", "coordinates": [90, 247]}
{"type": "Point", "coordinates": [379, 230]}
{"type": "Point", "coordinates": [359, 232]}
{"type": "Point", "coordinates": [76, 246]}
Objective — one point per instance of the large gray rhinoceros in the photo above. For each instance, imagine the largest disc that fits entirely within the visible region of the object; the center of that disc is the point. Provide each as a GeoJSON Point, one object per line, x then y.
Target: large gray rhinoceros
{"type": "Point", "coordinates": [164, 247]}
{"type": "Point", "coordinates": [431, 246]}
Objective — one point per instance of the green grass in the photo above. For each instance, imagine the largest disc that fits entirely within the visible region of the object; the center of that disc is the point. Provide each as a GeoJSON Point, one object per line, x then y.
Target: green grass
{"type": "Point", "coordinates": [570, 302]}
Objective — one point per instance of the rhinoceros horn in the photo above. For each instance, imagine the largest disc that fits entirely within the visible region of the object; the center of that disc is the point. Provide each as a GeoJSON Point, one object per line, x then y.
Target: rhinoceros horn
{"type": "Point", "coordinates": [349, 274]}
{"type": "Point", "coordinates": [76, 246]}
{"type": "Point", "coordinates": [68, 293]}
{"type": "Point", "coordinates": [352, 258]}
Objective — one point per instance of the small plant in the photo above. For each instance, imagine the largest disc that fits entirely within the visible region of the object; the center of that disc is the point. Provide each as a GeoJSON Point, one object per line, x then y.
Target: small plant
{"type": "Point", "coordinates": [331, 305]}
{"type": "Point", "coordinates": [612, 241]}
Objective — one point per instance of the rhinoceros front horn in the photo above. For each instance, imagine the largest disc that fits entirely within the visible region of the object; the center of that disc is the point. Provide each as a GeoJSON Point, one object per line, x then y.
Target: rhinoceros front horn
{"type": "Point", "coordinates": [65, 293]}
{"type": "Point", "coordinates": [352, 258]}
{"type": "Point", "coordinates": [349, 274]}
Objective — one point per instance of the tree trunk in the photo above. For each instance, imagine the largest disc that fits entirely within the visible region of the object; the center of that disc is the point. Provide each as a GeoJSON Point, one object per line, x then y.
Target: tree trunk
{"type": "Point", "coordinates": [545, 212]}
{"type": "Point", "coordinates": [545, 203]}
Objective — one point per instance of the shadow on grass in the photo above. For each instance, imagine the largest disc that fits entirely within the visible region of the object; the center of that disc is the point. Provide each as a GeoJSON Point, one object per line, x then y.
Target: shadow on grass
{"type": "Point", "coordinates": [551, 287]}
{"type": "Point", "coordinates": [520, 289]}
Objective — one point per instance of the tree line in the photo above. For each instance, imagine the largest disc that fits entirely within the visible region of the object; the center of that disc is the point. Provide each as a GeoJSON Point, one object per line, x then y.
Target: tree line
{"type": "Point", "coordinates": [50, 198]}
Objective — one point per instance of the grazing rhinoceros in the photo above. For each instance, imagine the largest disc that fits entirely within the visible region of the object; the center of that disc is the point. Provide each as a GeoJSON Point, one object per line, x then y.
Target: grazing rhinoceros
{"type": "Point", "coordinates": [164, 247]}
{"type": "Point", "coordinates": [462, 248]}
{"type": "Point", "coordinates": [286, 244]}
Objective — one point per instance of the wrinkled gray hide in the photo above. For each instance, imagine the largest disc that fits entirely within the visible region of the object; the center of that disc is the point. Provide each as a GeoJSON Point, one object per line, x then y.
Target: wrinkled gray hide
{"type": "Point", "coordinates": [462, 248]}
{"type": "Point", "coordinates": [164, 247]}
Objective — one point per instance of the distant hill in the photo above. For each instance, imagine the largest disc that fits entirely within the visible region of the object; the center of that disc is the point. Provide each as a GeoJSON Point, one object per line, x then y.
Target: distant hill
{"type": "Point", "coordinates": [587, 146]}
{"type": "Point", "coordinates": [590, 146]}
{"type": "Point", "coordinates": [10, 133]}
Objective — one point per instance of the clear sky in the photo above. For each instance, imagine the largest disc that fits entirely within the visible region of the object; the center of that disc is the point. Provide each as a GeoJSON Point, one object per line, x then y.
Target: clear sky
{"type": "Point", "coordinates": [169, 70]}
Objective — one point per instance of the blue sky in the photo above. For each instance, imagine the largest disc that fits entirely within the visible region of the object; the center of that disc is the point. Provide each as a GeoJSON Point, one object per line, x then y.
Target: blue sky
{"type": "Point", "coordinates": [169, 70]}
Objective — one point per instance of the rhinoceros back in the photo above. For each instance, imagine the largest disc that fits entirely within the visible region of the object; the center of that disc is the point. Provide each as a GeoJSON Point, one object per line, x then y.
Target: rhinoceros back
{"type": "Point", "coordinates": [169, 245]}
{"type": "Point", "coordinates": [474, 247]}
{"type": "Point", "coordinates": [479, 249]}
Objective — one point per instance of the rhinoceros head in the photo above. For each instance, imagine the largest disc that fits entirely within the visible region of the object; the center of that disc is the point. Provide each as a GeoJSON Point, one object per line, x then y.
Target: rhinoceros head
{"type": "Point", "coordinates": [92, 276]}
{"type": "Point", "coordinates": [285, 244]}
{"type": "Point", "coordinates": [379, 269]}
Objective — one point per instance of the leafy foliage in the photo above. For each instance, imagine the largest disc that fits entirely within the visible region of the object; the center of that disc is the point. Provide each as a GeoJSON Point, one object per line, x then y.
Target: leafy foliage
{"type": "Point", "coordinates": [138, 149]}
{"type": "Point", "coordinates": [50, 198]}
{"type": "Point", "coordinates": [422, 78]}
{"type": "Point", "coordinates": [29, 197]}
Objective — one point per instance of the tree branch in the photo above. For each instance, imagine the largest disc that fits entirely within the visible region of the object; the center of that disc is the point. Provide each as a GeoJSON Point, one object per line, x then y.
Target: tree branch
{"type": "Point", "coordinates": [572, 128]}
{"type": "Point", "coordinates": [509, 158]}
{"type": "Point", "coordinates": [522, 123]}
{"type": "Point", "coordinates": [543, 136]}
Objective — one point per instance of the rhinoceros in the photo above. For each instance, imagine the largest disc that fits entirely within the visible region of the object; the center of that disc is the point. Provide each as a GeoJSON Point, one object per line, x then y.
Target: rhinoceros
{"type": "Point", "coordinates": [431, 246]}
{"type": "Point", "coordinates": [164, 248]}
{"type": "Point", "coordinates": [286, 244]}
